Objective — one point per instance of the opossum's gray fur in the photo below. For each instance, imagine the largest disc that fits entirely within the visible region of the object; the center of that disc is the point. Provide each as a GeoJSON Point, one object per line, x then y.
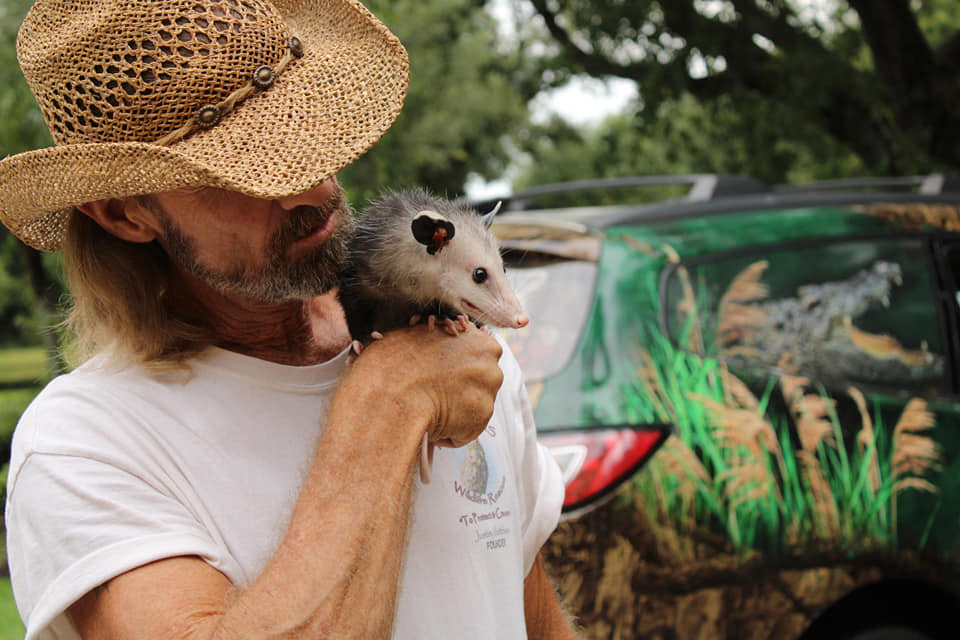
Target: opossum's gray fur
{"type": "Point", "coordinates": [389, 277]}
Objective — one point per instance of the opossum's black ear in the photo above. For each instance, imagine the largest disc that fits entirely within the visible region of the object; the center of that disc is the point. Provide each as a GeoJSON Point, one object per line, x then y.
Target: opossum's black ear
{"type": "Point", "coordinates": [432, 230]}
{"type": "Point", "coordinates": [487, 218]}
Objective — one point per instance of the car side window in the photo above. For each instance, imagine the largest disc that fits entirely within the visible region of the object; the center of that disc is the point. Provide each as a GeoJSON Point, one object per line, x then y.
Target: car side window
{"type": "Point", "coordinates": [854, 313]}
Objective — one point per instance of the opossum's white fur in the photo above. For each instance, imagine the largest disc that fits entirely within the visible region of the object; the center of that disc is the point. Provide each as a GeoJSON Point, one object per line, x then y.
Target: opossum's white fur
{"type": "Point", "coordinates": [391, 276]}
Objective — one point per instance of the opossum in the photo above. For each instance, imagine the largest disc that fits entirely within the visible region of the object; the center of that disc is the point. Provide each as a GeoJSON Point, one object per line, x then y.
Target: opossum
{"type": "Point", "coordinates": [415, 256]}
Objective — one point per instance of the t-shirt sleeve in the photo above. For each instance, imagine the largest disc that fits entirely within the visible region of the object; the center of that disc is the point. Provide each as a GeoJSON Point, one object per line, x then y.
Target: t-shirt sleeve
{"type": "Point", "coordinates": [74, 522]}
{"type": "Point", "coordinates": [539, 479]}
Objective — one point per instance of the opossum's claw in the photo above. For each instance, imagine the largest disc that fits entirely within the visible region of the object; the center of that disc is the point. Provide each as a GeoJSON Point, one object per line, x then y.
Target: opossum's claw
{"type": "Point", "coordinates": [356, 347]}
{"type": "Point", "coordinates": [426, 460]}
{"type": "Point", "coordinates": [463, 321]}
{"type": "Point", "coordinates": [415, 320]}
{"type": "Point", "coordinates": [432, 322]}
{"type": "Point", "coordinates": [451, 327]}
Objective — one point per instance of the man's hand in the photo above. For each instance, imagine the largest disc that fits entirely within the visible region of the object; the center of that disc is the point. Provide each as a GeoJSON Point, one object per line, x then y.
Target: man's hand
{"type": "Point", "coordinates": [452, 379]}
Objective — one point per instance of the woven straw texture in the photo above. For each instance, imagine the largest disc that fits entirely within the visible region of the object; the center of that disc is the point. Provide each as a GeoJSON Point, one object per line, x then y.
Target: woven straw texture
{"type": "Point", "coordinates": [114, 77]}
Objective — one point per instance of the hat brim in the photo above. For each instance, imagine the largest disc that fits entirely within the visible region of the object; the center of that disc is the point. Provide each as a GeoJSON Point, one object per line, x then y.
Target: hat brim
{"type": "Point", "coordinates": [325, 110]}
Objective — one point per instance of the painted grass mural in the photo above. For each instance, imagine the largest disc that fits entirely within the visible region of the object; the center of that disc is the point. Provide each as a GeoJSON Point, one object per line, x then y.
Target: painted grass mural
{"type": "Point", "coordinates": [733, 468]}
{"type": "Point", "coordinates": [736, 466]}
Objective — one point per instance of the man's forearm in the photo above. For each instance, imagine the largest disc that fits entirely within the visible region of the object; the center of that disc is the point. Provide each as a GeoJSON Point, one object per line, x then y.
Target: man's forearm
{"type": "Point", "coordinates": [336, 573]}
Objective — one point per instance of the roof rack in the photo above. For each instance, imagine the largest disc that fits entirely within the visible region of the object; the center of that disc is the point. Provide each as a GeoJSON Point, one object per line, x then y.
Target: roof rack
{"type": "Point", "coordinates": [703, 186]}
{"type": "Point", "coordinates": [709, 187]}
{"type": "Point", "coordinates": [932, 184]}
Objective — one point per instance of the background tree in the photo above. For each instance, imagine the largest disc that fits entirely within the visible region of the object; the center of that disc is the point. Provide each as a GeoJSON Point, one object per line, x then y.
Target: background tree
{"type": "Point", "coordinates": [881, 79]}
{"type": "Point", "coordinates": [465, 100]}
{"type": "Point", "coordinates": [29, 281]}
{"type": "Point", "coordinates": [724, 136]}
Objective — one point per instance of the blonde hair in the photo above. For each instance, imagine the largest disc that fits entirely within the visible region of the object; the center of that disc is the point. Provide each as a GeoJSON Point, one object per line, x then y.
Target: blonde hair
{"type": "Point", "coordinates": [119, 303]}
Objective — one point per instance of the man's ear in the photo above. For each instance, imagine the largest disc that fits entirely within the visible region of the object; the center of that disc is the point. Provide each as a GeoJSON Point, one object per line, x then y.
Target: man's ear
{"type": "Point", "coordinates": [125, 218]}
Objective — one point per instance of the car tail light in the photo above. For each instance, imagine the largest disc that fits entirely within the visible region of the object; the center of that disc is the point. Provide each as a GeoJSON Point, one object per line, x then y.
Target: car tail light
{"type": "Point", "coordinates": [594, 462]}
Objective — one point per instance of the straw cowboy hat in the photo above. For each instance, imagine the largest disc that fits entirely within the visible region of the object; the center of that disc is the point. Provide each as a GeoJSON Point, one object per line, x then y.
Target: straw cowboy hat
{"type": "Point", "coordinates": [265, 97]}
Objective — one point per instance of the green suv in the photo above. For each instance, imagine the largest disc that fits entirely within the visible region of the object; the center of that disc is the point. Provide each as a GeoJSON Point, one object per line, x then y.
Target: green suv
{"type": "Point", "coordinates": [796, 351]}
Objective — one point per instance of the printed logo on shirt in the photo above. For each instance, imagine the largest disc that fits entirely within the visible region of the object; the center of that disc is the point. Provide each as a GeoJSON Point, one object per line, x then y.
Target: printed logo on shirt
{"type": "Point", "coordinates": [482, 482]}
{"type": "Point", "coordinates": [481, 479]}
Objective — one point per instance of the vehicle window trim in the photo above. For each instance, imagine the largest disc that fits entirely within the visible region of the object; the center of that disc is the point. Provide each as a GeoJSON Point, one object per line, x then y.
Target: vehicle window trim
{"type": "Point", "coordinates": [948, 285]}
{"type": "Point", "coordinates": [770, 203]}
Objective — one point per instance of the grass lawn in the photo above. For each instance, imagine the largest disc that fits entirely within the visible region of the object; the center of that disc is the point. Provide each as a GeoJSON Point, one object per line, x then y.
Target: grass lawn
{"type": "Point", "coordinates": [10, 626]}
{"type": "Point", "coordinates": [22, 364]}
{"type": "Point", "coordinates": [17, 366]}
{"type": "Point", "coordinates": [22, 372]}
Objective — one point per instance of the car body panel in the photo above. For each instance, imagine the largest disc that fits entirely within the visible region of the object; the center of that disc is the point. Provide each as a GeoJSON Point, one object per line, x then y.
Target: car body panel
{"type": "Point", "coordinates": [780, 491]}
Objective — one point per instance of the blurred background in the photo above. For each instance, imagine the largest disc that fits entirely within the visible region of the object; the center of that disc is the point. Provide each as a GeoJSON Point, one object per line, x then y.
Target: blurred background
{"type": "Point", "coordinates": [506, 94]}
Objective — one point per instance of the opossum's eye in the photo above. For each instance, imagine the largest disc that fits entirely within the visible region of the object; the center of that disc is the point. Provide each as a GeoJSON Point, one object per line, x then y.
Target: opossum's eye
{"type": "Point", "coordinates": [480, 275]}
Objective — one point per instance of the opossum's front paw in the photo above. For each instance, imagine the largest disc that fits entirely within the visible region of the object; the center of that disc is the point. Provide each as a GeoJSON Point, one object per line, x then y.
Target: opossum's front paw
{"type": "Point", "coordinates": [453, 326]}
{"type": "Point", "coordinates": [456, 326]}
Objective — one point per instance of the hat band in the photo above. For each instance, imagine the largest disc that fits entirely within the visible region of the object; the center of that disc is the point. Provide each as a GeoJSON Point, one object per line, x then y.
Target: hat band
{"type": "Point", "coordinates": [262, 79]}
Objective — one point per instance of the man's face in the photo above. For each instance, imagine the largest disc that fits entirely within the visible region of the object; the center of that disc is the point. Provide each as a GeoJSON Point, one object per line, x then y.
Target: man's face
{"type": "Point", "coordinates": [266, 250]}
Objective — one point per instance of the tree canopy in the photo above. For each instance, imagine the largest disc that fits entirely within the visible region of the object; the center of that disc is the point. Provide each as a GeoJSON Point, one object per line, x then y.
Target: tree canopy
{"type": "Point", "coordinates": [881, 79]}
{"type": "Point", "coordinates": [463, 104]}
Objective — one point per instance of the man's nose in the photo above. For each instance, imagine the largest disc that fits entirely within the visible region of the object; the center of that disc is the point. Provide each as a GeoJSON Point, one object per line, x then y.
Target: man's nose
{"type": "Point", "coordinates": [313, 198]}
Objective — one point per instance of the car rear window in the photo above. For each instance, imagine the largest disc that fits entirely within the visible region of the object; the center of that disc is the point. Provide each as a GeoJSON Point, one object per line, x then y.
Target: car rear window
{"type": "Point", "coordinates": [553, 270]}
{"type": "Point", "coordinates": [857, 312]}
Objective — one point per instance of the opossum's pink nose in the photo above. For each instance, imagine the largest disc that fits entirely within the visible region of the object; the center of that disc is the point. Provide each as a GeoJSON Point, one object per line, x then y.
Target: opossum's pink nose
{"type": "Point", "coordinates": [521, 321]}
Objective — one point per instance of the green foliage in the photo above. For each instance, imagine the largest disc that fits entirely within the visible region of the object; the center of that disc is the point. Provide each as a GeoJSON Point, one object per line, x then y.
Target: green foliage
{"type": "Point", "coordinates": [937, 19]}
{"type": "Point", "coordinates": [22, 127]}
{"type": "Point", "coordinates": [876, 78]}
{"type": "Point", "coordinates": [16, 300]}
{"type": "Point", "coordinates": [460, 108]}
{"type": "Point", "coordinates": [726, 136]}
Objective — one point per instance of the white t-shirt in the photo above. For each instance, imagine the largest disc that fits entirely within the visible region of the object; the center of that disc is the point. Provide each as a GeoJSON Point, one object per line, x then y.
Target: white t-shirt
{"type": "Point", "coordinates": [112, 469]}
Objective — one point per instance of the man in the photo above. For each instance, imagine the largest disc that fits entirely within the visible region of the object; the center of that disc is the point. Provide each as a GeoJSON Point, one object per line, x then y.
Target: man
{"type": "Point", "coordinates": [213, 468]}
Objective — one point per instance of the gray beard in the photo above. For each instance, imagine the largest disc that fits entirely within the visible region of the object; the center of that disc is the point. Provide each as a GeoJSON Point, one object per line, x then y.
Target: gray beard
{"type": "Point", "coordinates": [279, 279]}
